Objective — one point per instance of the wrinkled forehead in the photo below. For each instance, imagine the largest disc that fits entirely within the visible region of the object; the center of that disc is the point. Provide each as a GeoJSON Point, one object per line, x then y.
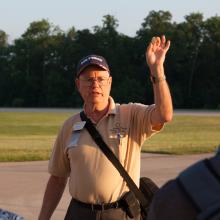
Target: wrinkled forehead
{"type": "Point", "coordinates": [94, 71]}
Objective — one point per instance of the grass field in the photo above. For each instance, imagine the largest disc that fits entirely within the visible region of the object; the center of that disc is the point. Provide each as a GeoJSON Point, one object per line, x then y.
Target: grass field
{"type": "Point", "coordinates": [26, 136]}
{"type": "Point", "coordinates": [187, 135]}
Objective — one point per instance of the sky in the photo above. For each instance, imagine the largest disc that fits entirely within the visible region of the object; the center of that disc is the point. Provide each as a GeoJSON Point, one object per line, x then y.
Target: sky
{"type": "Point", "coordinates": [16, 15]}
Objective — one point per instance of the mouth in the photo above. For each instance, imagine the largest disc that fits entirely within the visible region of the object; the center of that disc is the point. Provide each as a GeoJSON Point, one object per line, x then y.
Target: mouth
{"type": "Point", "coordinates": [96, 93]}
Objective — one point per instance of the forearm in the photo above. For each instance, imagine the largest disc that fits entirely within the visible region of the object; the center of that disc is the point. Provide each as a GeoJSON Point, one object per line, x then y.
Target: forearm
{"type": "Point", "coordinates": [162, 96]}
{"type": "Point", "coordinates": [52, 196]}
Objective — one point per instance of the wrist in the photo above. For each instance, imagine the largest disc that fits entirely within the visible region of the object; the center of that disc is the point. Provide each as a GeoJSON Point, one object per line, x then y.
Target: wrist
{"type": "Point", "coordinates": [157, 79]}
{"type": "Point", "coordinates": [157, 70]}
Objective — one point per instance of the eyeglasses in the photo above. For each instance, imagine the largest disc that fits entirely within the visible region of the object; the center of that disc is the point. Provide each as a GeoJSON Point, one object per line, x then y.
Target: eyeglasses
{"type": "Point", "coordinates": [102, 81]}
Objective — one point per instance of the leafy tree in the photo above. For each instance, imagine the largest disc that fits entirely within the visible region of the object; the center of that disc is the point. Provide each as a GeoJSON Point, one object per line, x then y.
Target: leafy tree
{"type": "Point", "coordinates": [209, 69]}
{"type": "Point", "coordinates": [5, 69]}
{"type": "Point", "coordinates": [41, 29]}
{"type": "Point", "coordinates": [183, 60]}
{"type": "Point", "coordinates": [156, 23]}
{"type": "Point", "coordinates": [3, 39]}
{"type": "Point", "coordinates": [38, 69]}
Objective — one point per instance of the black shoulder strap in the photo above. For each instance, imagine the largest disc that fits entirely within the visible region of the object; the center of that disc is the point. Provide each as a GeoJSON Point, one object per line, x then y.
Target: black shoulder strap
{"type": "Point", "coordinates": [201, 183]}
{"type": "Point", "coordinates": [111, 156]}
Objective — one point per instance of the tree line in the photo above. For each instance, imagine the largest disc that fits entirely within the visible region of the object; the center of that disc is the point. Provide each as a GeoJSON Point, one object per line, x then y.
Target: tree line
{"type": "Point", "coordinates": [38, 68]}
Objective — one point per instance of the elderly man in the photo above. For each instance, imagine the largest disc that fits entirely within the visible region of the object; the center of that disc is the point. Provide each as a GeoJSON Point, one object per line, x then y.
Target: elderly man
{"type": "Point", "coordinates": [94, 183]}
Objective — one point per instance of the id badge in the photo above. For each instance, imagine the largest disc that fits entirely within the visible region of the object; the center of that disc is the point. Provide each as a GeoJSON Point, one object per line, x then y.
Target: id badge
{"type": "Point", "coordinates": [77, 128]}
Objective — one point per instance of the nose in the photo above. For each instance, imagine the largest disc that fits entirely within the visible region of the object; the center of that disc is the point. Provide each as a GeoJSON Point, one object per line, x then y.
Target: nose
{"type": "Point", "coordinates": [95, 83]}
{"type": "Point", "coordinates": [95, 80]}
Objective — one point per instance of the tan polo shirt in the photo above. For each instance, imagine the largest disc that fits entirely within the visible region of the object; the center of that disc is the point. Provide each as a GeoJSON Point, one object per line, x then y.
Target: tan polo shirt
{"type": "Point", "coordinates": [92, 177]}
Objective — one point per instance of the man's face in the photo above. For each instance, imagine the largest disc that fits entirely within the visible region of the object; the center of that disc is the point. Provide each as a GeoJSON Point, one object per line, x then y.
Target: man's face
{"type": "Point", "coordinates": [94, 85]}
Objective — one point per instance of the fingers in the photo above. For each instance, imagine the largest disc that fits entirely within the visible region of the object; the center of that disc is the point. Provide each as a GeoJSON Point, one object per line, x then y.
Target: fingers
{"type": "Point", "coordinates": [160, 42]}
{"type": "Point", "coordinates": [163, 41]}
{"type": "Point", "coordinates": [155, 41]}
{"type": "Point", "coordinates": [165, 45]}
{"type": "Point", "coordinates": [148, 51]}
{"type": "Point", "coordinates": [149, 48]}
{"type": "Point", "coordinates": [166, 48]}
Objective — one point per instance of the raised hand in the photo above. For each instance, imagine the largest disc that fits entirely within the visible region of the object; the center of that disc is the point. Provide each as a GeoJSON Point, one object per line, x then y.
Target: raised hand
{"type": "Point", "coordinates": [156, 52]}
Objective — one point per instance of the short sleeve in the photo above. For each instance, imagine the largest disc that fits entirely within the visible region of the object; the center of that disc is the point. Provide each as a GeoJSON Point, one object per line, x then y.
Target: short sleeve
{"type": "Point", "coordinates": [141, 122]}
{"type": "Point", "coordinates": [59, 162]}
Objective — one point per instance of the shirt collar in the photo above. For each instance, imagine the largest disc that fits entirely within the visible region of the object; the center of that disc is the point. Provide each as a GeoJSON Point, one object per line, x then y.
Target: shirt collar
{"type": "Point", "coordinates": [112, 106]}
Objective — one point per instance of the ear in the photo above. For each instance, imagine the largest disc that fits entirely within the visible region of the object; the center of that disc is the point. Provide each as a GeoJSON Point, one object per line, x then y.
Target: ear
{"type": "Point", "coordinates": [77, 83]}
{"type": "Point", "coordinates": [110, 80]}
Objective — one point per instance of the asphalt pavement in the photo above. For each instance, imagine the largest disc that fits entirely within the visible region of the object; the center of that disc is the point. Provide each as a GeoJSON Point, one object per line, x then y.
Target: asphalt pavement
{"type": "Point", "coordinates": [22, 184]}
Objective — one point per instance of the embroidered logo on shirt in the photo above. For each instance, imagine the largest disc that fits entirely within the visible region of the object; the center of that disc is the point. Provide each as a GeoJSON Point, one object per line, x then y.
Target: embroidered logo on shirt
{"type": "Point", "coordinates": [118, 132]}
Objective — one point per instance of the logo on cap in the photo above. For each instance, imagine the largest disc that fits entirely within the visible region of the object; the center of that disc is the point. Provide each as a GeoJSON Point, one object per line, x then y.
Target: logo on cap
{"type": "Point", "coordinates": [91, 60]}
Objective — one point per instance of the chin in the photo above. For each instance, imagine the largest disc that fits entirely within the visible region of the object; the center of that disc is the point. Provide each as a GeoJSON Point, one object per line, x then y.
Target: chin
{"type": "Point", "coordinates": [97, 101]}
{"type": "Point", "coordinates": [96, 98]}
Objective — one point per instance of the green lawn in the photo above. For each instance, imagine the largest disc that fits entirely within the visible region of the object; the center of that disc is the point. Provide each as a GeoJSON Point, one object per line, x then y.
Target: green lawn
{"type": "Point", "coordinates": [186, 135]}
{"type": "Point", "coordinates": [26, 136]}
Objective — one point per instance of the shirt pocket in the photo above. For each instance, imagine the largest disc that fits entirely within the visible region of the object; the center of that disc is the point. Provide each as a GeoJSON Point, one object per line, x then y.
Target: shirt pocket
{"type": "Point", "coordinates": [118, 144]}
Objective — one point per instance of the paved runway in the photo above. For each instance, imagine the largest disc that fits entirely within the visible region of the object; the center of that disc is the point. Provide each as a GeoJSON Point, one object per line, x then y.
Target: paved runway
{"type": "Point", "coordinates": [22, 184]}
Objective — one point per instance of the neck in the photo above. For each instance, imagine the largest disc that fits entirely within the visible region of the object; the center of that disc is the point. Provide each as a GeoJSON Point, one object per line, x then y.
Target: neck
{"type": "Point", "coordinates": [96, 112]}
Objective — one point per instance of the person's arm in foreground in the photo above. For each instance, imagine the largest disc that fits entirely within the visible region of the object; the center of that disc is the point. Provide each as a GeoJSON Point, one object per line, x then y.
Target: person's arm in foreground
{"type": "Point", "coordinates": [155, 56]}
{"type": "Point", "coordinates": [52, 196]}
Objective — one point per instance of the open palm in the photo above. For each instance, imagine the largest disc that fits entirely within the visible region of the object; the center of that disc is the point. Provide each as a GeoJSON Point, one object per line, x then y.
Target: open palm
{"type": "Point", "coordinates": [156, 51]}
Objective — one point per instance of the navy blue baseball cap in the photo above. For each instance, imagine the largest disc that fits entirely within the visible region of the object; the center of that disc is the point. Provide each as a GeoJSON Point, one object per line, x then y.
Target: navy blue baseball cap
{"type": "Point", "coordinates": [91, 60]}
